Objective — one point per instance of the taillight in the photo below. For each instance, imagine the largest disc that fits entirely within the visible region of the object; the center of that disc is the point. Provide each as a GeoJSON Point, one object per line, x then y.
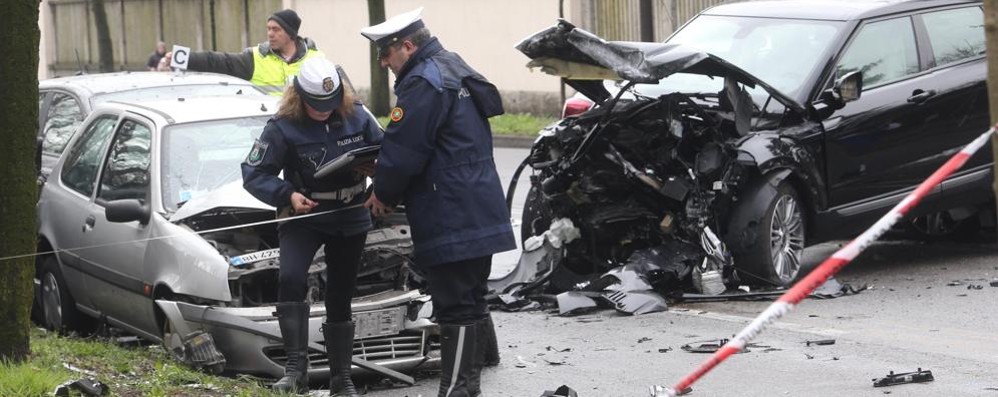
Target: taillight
{"type": "Point", "coordinates": [575, 106]}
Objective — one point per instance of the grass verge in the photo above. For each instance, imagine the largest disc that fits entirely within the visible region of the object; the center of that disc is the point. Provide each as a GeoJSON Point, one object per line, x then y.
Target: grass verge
{"type": "Point", "coordinates": [518, 124]}
{"type": "Point", "coordinates": [134, 371]}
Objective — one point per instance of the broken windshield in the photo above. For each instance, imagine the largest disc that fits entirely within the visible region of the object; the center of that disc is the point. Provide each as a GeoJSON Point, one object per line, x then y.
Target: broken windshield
{"type": "Point", "coordinates": [780, 52]}
{"type": "Point", "coordinates": [200, 157]}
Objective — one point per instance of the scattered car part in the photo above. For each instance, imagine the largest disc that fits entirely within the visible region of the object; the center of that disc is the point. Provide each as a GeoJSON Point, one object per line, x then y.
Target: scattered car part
{"type": "Point", "coordinates": [637, 302]}
{"type": "Point", "coordinates": [892, 379]}
{"type": "Point", "coordinates": [562, 391]}
{"type": "Point", "coordinates": [87, 386]}
{"type": "Point", "coordinates": [199, 351]}
{"type": "Point", "coordinates": [576, 302]}
{"type": "Point", "coordinates": [708, 346]}
{"type": "Point", "coordinates": [820, 342]}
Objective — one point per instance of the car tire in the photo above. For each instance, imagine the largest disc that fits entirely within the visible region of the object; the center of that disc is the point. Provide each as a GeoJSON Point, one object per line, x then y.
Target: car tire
{"type": "Point", "coordinates": [58, 308]}
{"type": "Point", "coordinates": [771, 246]}
{"type": "Point", "coordinates": [536, 217]}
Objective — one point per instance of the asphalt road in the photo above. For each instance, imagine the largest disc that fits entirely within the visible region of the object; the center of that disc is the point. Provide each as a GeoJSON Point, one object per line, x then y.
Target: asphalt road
{"type": "Point", "coordinates": [910, 317]}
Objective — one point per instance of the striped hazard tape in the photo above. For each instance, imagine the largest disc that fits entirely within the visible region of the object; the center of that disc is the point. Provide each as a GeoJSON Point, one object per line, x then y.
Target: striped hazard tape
{"type": "Point", "coordinates": [824, 271]}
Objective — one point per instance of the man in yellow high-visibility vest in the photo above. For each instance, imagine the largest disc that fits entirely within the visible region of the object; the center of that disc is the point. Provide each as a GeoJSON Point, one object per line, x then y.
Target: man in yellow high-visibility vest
{"type": "Point", "coordinates": [270, 65]}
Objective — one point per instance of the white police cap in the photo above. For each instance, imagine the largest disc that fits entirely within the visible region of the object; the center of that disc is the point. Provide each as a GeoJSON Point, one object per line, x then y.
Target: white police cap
{"type": "Point", "coordinates": [319, 85]}
{"type": "Point", "coordinates": [395, 28]}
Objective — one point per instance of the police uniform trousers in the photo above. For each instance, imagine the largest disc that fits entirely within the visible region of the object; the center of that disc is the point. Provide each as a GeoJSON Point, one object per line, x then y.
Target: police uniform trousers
{"type": "Point", "coordinates": [458, 290]}
{"type": "Point", "coordinates": [299, 243]}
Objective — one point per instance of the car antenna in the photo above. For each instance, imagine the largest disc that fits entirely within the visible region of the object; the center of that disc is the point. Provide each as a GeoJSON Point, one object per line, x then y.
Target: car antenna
{"type": "Point", "coordinates": [83, 69]}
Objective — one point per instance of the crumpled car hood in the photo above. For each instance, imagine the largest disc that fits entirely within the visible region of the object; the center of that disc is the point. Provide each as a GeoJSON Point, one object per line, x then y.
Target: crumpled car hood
{"type": "Point", "coordinates": [584, 60]}
{"type": "Point", "coordinates": [231, 195]}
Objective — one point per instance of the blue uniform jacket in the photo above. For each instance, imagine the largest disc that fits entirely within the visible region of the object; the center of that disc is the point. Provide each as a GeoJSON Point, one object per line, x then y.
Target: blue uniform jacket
{"type": "Point", "coordinates": [299, 149]}
{"type": "Point", "coordinates": [437, 159]}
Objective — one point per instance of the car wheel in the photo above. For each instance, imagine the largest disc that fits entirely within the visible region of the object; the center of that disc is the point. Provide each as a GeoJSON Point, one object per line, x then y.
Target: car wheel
{"type": "Point", "coordinates": [58, 309]}
{"type": "Point", "coordinates": [775, 257]}
{"type": "Point", "coordinates": [536, 217]}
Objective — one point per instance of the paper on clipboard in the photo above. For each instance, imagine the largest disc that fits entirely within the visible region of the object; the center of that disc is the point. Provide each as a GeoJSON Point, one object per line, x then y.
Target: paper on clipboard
{"type": "Point", "coordinates": [348, 160]}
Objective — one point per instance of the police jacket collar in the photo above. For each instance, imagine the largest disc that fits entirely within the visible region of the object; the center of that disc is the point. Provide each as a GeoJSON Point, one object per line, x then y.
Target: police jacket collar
{"type": "Point", "coordinates": [303, 44]}
{"type": "Point", "coordinates": [430, 48]}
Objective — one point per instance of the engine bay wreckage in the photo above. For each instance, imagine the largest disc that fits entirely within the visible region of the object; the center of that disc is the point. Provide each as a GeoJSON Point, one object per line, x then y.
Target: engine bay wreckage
{"type": "Point", "coordinates": [393, 327]}
{"type": "Point", "coordinates": [647, 198]}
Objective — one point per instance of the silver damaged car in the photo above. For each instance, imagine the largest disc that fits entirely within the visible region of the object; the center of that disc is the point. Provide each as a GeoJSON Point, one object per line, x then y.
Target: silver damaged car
{"type": "Point", "coordinates": [152, 232]}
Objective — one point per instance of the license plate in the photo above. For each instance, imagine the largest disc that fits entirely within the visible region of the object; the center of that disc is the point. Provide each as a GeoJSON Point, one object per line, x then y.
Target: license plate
{"type": "Point", "coordinates": [378, 322]}
{"type": "Point", "coordinates": [255, 257]}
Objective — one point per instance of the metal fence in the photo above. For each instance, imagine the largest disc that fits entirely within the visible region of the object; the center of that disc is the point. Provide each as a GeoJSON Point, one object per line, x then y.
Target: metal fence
{"type": "Point", "coordinates": [136, 25]}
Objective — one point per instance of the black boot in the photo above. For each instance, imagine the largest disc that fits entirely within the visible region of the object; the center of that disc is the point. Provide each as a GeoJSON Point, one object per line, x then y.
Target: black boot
{"type": "Point", "coordinates": [457, 349]}
{"type": "Point", "coordinates": [293, 320]}
{"type": "Point", "coordinates": [486, 342]}
{"type": "Point", "coordinates": [339, 350]}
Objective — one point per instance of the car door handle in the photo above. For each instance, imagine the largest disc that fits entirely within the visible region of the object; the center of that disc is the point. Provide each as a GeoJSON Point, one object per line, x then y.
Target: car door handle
{"type": "Point", "coordinates": [88, 224]}
{"type": "Point", "coordinates": [919, 96]}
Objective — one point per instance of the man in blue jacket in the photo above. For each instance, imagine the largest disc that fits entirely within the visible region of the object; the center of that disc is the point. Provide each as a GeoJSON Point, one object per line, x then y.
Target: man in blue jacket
{"type": "Point", "coordinates": [436, 158]}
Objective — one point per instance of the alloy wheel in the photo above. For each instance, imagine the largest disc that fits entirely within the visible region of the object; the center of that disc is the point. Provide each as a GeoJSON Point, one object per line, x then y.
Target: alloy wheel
{"type": "Point", "coordinates": [787, 238]}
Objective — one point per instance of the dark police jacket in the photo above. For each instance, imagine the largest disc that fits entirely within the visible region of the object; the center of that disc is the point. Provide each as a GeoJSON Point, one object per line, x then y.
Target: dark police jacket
{"type": "Point", "coordinates": [437, 159]}
{"type": "Point", "coordinates": [298, 149]}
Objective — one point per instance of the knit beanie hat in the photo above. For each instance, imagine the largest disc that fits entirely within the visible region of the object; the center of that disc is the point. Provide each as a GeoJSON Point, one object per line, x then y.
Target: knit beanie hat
{"type": "Point", "coordinates": [289, 21]}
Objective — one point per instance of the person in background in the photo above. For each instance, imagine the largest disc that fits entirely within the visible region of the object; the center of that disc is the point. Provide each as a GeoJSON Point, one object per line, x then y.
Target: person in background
{"type": "Point", "coordinates": [318, 120]}
{"type": "Point", "coordinates": [270, 65]}
{"type": "Point", "coordinates": [164, 63]}
{"type": "Point", "coordinates": [153, 63]}
{"type": "Point", "coordinates": [437, 158]}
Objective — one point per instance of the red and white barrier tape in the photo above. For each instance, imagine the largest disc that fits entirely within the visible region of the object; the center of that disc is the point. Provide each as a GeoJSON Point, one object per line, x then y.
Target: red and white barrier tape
{"type": "Point", "coordinates": [826, 270]}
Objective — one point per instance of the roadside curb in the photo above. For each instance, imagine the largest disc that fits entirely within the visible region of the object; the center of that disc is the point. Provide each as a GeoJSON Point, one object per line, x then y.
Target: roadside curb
{"type": "Point", "coordinates": [513, 141]}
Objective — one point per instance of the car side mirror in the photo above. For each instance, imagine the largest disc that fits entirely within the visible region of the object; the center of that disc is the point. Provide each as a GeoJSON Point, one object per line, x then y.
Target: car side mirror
{"type": "Point", "coordinates": [846, 89]}
{"type": "Point", "coordinates": [127, 210]}
{"type": "Point", "coordinates": [849, 87]}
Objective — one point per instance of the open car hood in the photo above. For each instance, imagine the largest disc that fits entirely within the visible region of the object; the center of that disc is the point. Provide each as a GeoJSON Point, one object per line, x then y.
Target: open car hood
{"type": "Point", "coordinates": [229, 196]}
{"type": "Point", "coordinates": [584, 60]}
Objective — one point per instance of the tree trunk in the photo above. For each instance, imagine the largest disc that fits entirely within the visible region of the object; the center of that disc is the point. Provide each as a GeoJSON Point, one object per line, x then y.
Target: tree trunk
{"type": "Point", "coordinates": [18, 128]}
{"type": "Point", "coordinates": [991, 34]}
{"type": "Point", "coordinates": [378, 98]}
{"type": "Point", "coordinates": [105, 51]}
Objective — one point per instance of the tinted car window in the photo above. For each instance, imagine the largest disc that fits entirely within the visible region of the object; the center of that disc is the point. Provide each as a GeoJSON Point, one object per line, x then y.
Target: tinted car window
{"type": "Point", "coordinates": [126, 173]}
{"type": "Point", "coordinates": [63, 117]}
{"type": "Point", "coordinates": [955, 34]}
{"type": "Point", "coordinates": [80, 168]}
{"type": "Point", "coordinates": [884, 51]}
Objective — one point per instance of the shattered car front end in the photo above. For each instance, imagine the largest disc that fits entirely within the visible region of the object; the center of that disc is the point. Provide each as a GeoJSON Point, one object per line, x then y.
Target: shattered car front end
{"type": "Point", "coordinates": [393, 329]}
{"type": "Point", "coordinates": [699, 175]}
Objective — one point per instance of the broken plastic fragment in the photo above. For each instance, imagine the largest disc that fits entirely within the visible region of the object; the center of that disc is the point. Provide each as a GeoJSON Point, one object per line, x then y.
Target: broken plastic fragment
{"type": "Point", "coordinates": [908, 377]}
{"type": "Point", "coordinates": [637, 302]}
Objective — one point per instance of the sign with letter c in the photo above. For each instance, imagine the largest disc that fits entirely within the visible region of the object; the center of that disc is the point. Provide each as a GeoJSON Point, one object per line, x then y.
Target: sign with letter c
{"type": "Point", "coordinates": [181, 55]}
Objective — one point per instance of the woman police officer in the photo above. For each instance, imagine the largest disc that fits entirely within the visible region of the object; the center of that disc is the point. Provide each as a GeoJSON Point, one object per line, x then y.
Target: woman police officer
{"type": "Point", "coordinates": [317, 121]}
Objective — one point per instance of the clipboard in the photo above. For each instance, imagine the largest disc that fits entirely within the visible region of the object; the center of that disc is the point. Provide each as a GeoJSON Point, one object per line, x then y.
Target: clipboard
{"type": "Point", "coordinates": [347, 160]}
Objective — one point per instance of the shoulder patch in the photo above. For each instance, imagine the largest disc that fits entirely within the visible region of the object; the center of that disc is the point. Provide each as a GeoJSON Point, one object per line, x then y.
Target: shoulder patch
{"type": "Point", "coordinates": [257, 154]}
{"type": "Point", "coordinates": [397, 114]}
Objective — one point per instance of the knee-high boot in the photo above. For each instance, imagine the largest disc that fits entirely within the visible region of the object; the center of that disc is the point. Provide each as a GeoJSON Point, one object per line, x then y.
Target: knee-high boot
{"type": "Point", "coordinates": [483, 352]}
{"type": "Point", "coordinates": [293, 320]}
{"type": "Point", "coordinates": [339, 350]}
{"type": "Point", "coordinates": [458, 344]}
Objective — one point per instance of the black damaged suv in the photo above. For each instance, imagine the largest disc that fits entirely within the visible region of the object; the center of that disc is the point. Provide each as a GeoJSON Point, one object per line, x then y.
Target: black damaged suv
{"type": "Point", "coordinates": [759, 128]}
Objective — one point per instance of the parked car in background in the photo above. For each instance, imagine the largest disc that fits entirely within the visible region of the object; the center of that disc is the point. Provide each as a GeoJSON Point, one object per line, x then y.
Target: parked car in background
{"type": "Point", "coordinates": [153, 233]}
{"type": "Point", "coordinates": [759, 128]}
{"type": "Point", "coordinates": [64, 102]}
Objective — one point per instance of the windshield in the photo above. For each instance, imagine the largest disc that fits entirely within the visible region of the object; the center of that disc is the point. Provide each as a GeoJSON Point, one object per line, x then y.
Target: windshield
{"type": "Point", "coordinates": [200, 157]}
{"type": "Point", "coordinates": [174, 91]}
{"type": "Point", "coordinates": [780, 52]}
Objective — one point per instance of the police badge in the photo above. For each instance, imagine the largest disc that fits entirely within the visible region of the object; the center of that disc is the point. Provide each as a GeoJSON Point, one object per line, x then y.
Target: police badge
{"type": "Point", "coordinates": [327, 84]}
{"type": "Point", "coordinates": [256, 154]}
